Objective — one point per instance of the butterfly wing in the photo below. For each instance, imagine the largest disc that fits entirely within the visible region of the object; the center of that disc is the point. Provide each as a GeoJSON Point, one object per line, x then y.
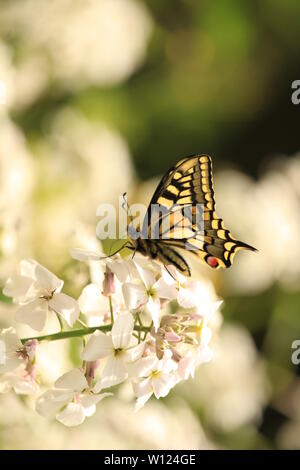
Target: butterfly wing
{"type": "Point", "coordinates": [186, 187]}
{"type": "Point", "coordinates": [168, 255]}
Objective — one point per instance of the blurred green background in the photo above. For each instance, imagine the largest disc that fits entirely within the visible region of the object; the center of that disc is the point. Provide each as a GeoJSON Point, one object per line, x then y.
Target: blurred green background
{"type": "Point", "coordinates": [102, 97]}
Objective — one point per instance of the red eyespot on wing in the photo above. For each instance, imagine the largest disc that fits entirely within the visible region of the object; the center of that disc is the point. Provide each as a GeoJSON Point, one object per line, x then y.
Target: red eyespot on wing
{"type": "Point", "coordinates": [212, 261]}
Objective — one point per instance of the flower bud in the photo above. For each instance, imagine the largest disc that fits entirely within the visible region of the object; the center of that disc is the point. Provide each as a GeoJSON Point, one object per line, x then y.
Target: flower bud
{"type": "Point", "coordinates": [108, 283]}
{"type": "Point", "coordinates": [30, 348]}
{"type": "Point", "coordinates": [172, 337]}
{"type": "Point", "coordinates": [171, 332]}
{"type": "Point", "coordinates": [90, 369]}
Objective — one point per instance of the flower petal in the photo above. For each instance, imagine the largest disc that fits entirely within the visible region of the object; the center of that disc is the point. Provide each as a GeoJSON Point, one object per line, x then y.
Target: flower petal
{"type": "Point", "coordinates": [135, 295]}
{"type": "Point", "coordinates": [46, 278]}
{"type": "Point", "coordinates": [207, 301]}
{"type": "Point", "coordinates": [33, 314]}
{"type": "Point", "coordinates": [72, 380]}
{"type": "Point", "coordinates": [17, 287]}
{"type": "Point", "coordinates": [91, 301]}
{"type": "Point", "coordinates": [141, 401]}
{"type": "Point", "coordinates": [187, 298]}
{"type": "Point", "coordinates": [144, 366]}
{"type": "Point", "coordinates": [164, 290]}
{"type": "Point", "coordinates": [146, 276]}
{"type": "Point", "coordinates": [20, 384]}
{"type": "Point", "coordinates": [72, 415]}
{"type": "Point", "coordinates": [113, 373]}
{"type": "Point", "coordinates": [85, 255]}
{"type": "Point", "coordinates": [9, 344]}
{"type": "Point", "coordinates": [89, 401]}
{"type": "Point", "coordinates": [99, 345]}
{"type": "Point", "coordinates": [8, 363]}
{"type": "Point", "coordinates": [121, 332]}
{"type": "Point", "coordinates": [153, 305]}
{"type": "Point", "coordinates": [52, 401]}
{"type": "Point", "coordinates": [204, 355]}
{"type": "Point", "coordinates": [142, 387]}
{"type": "Point", "coordinates": [11, 339]}
{"type": "Point", "coordinates": [19, 380]}
{"type": "Point", "coordinates": [27, 268]}
{"type": "Point", "coordinates": [121, 268]}
{"type": "Point", "coordinates": [169, 274]}
{"type": "Point", "coordinates": [162, 384]}
{"type": "Point", "coordinates": [65, 306]}
{"type": "Point", "coordinates": [206, 335]}
{"type": "Point", "coordinates": [134, 353]}
{"type": "Point", "coordinates": [186, 367]}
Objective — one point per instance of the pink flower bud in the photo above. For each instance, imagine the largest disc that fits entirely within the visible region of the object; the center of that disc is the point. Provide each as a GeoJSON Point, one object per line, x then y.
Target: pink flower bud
{"type": "Point", "coordinates": [30, 348]}
{"type": "Point", "coordinates": [108, 283]}
{"type": "Point", "coordinates": [172, 337]}
{"type": "Point", "coordinates": [90, 371]}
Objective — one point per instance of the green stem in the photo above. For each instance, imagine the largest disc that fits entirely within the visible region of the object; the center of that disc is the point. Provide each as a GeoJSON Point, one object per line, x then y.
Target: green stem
{"type": "Point", "coordinates": [111, 310]}
{"type": "Point", "coordinates": [81, 323]}
{"type": "Point", "coordinates": [77, 333]}
{"type": "Point", "coordinates": [60, 322]}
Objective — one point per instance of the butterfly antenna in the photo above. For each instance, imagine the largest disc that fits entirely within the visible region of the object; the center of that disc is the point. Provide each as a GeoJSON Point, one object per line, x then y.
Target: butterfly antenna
{"type": "Point", "coordinates": [126, 208]}
{"type": "Point", "coordinates": [125, 205]}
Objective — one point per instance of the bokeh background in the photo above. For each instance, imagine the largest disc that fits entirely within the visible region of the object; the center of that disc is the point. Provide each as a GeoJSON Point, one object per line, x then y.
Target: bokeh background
{"type": "Point", "coordinates": [98, 97]}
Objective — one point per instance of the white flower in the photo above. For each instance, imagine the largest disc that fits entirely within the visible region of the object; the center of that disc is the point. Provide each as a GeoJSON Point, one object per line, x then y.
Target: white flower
{"type": "Point", "coordinates": [156, 377]}
{"type": "Point", "coordinates": [207, 302]}
{"type": "Point", "coordinates": [233, 390]}
{"type": "Point", "coordinates": [192, 359]}
{"type": "Point", "coordinates": [17, 363]}
{"type": "Point", "coordinates": [123, 269]}
{"type": "Point", "coordinates": [116, 348]}
{"type": "Point", "coordinates": [37, 291]}
{"type": "Point", "coordinates": [193, 293]}
{"type": "Point", "coordinates": [196, 354]}
{"type": "Point", "coordinates": [147, 293]}
{"type": "Point", "coordinates": [71, 401]}
{"type": "Point", "coordinates": [10, 347]}
{"type": "Point", "coordinates": [92, 301]}
{"type": "Point", "coordinates": [20, 380]}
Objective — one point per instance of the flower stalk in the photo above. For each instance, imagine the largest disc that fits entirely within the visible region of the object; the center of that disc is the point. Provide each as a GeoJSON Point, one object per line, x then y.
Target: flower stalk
{"type": "Point", "coordinates": [79, 333]}
{"type": "Point", "coordinates": [60, 322]}
{"type": "Point", "coordinates": [111, 310]}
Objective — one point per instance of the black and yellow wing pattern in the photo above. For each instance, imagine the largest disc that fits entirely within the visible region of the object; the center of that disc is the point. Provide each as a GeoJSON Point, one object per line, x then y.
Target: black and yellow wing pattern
{"type": "Point", "coordinates": [186, 187]}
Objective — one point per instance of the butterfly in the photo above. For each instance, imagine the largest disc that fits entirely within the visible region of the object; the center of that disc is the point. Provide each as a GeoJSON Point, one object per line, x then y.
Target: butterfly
{"type": "Point", "coordinates": [184, 192]}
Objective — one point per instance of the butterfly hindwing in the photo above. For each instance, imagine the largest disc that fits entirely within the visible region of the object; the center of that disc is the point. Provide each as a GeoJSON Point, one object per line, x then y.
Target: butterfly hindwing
{"type": "Point", "coordinates": [168, 255]}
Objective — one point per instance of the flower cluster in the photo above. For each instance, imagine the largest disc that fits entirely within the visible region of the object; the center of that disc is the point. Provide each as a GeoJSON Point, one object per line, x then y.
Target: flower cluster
{"type": "Point", "coordinates": [139, 321]}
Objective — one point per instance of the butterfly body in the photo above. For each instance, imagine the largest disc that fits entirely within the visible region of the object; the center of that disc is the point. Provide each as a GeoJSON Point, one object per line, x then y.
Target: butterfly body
{"type": "Point", "coordinates": [182, 215]}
